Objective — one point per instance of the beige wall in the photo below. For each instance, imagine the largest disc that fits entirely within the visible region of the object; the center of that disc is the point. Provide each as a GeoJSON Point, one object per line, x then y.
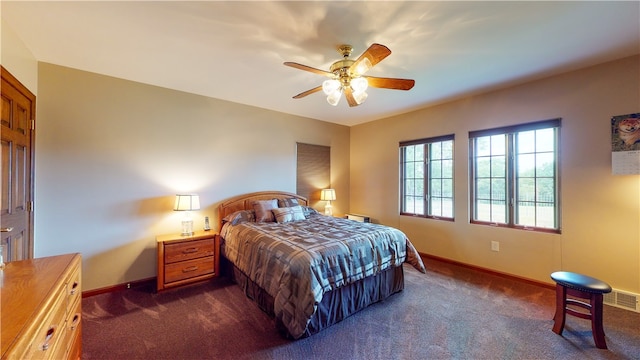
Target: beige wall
{"type": "Point", "coordinates": [17, 59]}
{"type": "Point", "coordinates": [111, 154]}
{"type": "Point", "coordinates": [600, 211]}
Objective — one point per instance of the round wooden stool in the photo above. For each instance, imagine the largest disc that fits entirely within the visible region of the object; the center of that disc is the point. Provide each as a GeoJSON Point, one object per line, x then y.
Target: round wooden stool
{"type": "Point", "coordinates": [583, 287]}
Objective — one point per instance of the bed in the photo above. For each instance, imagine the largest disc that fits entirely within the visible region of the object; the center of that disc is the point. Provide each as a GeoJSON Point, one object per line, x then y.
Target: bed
{"type": "Point", "coordinates": [307, 270]}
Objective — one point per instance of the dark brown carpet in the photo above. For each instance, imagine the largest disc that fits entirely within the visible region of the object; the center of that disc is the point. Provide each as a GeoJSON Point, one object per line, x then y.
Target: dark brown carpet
{"type": "Point", "coordinates": [450, 313]}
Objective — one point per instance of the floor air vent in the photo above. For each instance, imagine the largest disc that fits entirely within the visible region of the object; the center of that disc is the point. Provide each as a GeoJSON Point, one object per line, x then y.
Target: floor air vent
{"type": "Point", "coordinates": [622, 300]}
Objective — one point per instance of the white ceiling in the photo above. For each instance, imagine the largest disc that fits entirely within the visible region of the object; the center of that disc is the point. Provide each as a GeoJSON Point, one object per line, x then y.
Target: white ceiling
{"type": "Point", "coordinates": [234, 50]}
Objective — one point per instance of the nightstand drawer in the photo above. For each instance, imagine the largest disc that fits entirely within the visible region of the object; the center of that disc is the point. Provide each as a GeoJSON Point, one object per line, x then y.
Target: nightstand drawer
{"type": "Point", "coordinates": [188, 269]}
{"type": "Point", "coordinates": [188, 250]}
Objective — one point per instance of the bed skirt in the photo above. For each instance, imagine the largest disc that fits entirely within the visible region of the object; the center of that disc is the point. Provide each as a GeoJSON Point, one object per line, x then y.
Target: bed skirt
{"type": "Point", "coordinates": [335, 306]}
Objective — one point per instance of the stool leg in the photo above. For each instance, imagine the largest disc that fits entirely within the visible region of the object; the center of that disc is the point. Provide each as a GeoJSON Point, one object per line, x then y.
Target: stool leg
{"type": "Point", "coordinates": [559, 318]}
{"type": "Point", "coordinates": [596, 321]}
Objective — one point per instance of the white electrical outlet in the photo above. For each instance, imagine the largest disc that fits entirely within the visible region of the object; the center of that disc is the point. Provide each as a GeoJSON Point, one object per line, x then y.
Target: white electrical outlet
{"type": "Point", "coordinates": [495, 246]}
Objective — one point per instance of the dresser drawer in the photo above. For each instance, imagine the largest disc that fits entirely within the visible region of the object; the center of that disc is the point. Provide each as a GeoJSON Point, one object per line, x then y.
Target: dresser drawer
{"type": "Point", "coordinates": [188, 269]}
{"type": "Point", "coordinates": [188, 250]}
{"type": "Point", "coordinates": [72, 328]}
{"type": "Point", "coordinates": [47, 341]}
{"type": "Point", "coordinates": [73, 290]}
{"type": "Point", "coordinates": [75, 348]}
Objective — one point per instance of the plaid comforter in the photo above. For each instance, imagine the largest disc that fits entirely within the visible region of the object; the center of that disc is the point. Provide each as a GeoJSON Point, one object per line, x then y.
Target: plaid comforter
{"type": "Point", "coordinates": [297, 262]}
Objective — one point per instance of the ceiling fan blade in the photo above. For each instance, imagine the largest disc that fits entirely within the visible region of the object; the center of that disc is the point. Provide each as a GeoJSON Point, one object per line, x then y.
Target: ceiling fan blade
{"type": "Point", "coordinates": [308, 92]}
{"type": "Point", "coordinates": [309, 68]}
{"type": "Point", "coordinates": [373, 55]}
{"type": "Point", "coordinates": [348, 94]}
{"type": "Point", "coordinates": [390, 83]}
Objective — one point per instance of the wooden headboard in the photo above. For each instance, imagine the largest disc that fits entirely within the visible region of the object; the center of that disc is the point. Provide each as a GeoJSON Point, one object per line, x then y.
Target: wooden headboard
{"type": "Point", "coordinates": [245, 201]}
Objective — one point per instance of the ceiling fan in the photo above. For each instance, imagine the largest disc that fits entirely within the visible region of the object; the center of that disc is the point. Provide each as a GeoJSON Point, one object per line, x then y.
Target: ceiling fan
{"type": "Point", "coordinates": [347, 76]}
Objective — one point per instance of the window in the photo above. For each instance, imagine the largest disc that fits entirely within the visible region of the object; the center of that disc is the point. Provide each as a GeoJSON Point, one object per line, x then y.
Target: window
{"type": "Point", "coordinates": [514, 176]}
{"type": "Point", "coordinates": [427, 177]}
{"type": "Point", "coordinates": [313, 170]}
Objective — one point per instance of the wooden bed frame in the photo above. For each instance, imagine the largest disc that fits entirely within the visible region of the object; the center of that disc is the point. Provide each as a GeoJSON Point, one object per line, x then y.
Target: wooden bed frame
{"type": "Point", "coordinates": [245, 202]}
{"type": "Point", "coordinates": [336, 305]}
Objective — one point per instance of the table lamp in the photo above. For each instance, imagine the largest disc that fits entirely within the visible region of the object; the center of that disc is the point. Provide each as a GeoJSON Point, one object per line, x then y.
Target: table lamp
{"type": "Point", "coordinates": [328, 195]}
{"type": "Point", "coordinates": [187, 203]}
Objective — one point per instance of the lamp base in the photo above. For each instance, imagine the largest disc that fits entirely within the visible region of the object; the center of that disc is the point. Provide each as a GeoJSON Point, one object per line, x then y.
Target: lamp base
{"type": "Point", "coordinates": [328, 209]}
{"type": "Point", "coordinates": [187, 228]}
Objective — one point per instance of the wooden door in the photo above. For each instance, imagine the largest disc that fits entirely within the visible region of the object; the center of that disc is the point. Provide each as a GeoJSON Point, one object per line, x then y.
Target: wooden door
{"type": "Point", "coordinates": [17, 133]}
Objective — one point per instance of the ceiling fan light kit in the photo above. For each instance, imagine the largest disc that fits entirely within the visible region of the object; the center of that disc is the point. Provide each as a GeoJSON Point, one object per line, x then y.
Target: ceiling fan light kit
{"type": "Point", "coordinates": [347, 76]}
{"type": "Point", "coordinates": [334, 89]}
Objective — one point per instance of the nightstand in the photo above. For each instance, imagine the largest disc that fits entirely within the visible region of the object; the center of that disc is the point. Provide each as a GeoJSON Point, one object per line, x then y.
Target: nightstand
{"type": "Point", "coordinates": [186, 259]}
{"type": "Point", "coordinates": [358, 217]}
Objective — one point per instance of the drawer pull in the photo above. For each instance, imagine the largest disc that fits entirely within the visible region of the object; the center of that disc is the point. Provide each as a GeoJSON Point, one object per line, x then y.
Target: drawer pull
{"type": "Point", "coordinates": [74, 323]}
{"type": "Point", "coordinates": [190, 269]}
{"type": "Point", "coordinates": [190, 251]}
{"type": "Point", "coordinates": [47, 339]}
{"type": "Point", "coordinates": [74, 287]}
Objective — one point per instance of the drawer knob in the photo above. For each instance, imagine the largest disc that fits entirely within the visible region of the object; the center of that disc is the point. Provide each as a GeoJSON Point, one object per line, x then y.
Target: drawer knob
{"type": "Point", "coordinates": [74, 323]}
{"type": "Point", "coordinates": [74, 288]}
{"type": "Point", "coordinates": [190, 250]}
{"type": "Point", "coordinates": [48, 337]}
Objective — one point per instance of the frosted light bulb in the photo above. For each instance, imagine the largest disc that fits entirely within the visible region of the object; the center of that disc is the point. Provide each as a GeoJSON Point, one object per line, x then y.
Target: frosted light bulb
{"type": "Point", "coordinates": [334, 97]}
{"type": "Point", "coordinates": [361, 97]}
{"type": "Point", "coordinates": [330, 86]}
{"type": "Point", "coordinates": [359, 85]}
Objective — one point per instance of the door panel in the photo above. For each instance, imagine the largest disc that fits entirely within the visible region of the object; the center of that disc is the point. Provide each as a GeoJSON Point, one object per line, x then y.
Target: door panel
{"type": "Point", "coordinates": [17, 138]}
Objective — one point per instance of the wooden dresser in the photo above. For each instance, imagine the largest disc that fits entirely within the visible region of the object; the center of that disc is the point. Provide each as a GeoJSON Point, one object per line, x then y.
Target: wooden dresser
{"type": "Point", "coordinates": [41, 308]}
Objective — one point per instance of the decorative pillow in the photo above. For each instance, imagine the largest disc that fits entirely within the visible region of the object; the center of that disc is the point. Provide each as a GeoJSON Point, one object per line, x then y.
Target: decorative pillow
{"type": "Point", "coordinates": [288, 214]}
{"type": "Point", "coordinates": [308, 211]}
{"type": "Point", "coordinates": [288, 202]}
{"type": "Point", "coordinates": [263, 210]}
{"type": "Point", "coordinates": [239, 217]}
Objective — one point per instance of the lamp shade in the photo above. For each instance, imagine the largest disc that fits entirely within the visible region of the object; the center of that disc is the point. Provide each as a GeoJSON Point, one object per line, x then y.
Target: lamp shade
{"type": "Point", "coordinates": [328, 194]}
{"type": "Point", "coordinates": [187, 203]}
